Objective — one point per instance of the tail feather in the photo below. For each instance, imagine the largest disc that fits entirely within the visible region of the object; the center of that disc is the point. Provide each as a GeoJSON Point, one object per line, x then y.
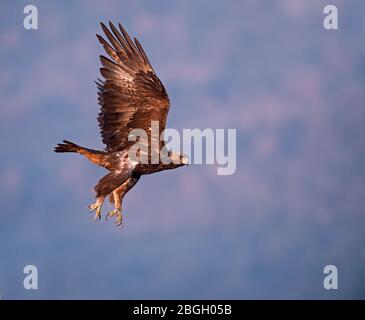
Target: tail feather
{"type": "Point", "coordinates": [67, 146]}
{"type": "Point", "coordinates": [98, 157]}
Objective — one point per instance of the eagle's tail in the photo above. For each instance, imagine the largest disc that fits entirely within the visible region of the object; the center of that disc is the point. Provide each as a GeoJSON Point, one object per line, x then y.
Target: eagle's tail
{"type": "Point", "coordinates": [67, 146]}
{"type": "Point", "coordinates": [98, 157]}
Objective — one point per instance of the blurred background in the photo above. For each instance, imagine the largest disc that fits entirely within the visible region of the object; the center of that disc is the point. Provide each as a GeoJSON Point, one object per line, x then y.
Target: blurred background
{"type": "Point", "coordinates": [295, 93]}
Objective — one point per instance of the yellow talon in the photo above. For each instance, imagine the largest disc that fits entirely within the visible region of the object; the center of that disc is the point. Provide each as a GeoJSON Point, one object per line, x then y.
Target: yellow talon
{"type": "Point", "coordinates": [118, 219]}
{"type": "Point", "coordinates": [111, 214]}
{"type": "Point", "coordinates": [97, 208]}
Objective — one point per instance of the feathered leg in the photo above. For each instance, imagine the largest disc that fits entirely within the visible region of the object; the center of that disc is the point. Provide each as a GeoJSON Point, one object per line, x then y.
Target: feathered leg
{"type": "Point", "coordinates": [117, 196]}
{"type": "Point", "coordinates": [105, 186]}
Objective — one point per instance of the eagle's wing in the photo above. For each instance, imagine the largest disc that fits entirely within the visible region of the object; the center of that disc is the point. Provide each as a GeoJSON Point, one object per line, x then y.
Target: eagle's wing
{"type": "Point", "coordinates": [131, 95]}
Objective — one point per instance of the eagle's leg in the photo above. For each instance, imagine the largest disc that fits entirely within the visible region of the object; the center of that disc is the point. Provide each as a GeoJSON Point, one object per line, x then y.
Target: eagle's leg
{"type": "Point", "coordinates": [117, 196]}
{"type": "Point", "coordinates": [97, 207]}
{"type": "Point", "coordinates": [106, 186]}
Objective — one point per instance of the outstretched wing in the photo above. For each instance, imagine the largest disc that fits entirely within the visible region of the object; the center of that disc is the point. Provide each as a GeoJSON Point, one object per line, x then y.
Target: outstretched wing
{"type": "Point", "coordinates": [131, 95]}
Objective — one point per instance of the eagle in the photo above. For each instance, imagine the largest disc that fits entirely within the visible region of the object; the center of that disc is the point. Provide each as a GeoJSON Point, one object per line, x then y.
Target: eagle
{"type": "Point", "coordinates": [130, 96]}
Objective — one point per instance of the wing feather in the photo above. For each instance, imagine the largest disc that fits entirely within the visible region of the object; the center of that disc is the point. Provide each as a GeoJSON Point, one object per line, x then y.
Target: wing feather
{"type": "Point", "coordinates": [130, 95]}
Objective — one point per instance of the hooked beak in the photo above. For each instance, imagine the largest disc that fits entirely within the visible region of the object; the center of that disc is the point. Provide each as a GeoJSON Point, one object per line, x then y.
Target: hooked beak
{"type": "Point", "coordinates": [185, 161]}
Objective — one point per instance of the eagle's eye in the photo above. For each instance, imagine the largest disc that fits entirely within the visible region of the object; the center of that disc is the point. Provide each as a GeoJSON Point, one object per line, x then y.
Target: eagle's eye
{"type": "Point", "coordinates": [169, 153]}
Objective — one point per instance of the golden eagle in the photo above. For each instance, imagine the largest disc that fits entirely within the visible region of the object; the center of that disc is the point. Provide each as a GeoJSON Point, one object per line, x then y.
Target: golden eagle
{"type": "Point", "coordinates": [131, 96]}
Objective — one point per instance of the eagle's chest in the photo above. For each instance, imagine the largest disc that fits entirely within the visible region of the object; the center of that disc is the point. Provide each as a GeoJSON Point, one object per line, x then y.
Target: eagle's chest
{"type": "Point", "coordinates": [123, 162]}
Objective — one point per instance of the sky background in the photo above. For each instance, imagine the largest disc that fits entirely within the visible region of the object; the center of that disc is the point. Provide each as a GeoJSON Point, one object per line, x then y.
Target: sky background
{"type": "Point", "coordinates": [293, 90]}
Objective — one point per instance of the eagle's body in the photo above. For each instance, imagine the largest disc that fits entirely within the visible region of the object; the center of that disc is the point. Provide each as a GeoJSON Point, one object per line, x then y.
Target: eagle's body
{"type": "Point", "coordinates": [130, 97]}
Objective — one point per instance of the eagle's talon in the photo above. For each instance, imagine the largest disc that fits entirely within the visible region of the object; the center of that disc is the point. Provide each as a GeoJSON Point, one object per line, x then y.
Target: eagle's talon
{"type": "Point", "coordinates": [92, 207]}
{"type": "Point", "coordinates": [111, 214]}
{"type": "Point", "coordinates": [97, 208]}
{"type": "Point", "coordinates": [118, 219]}
{"type": "Point", "coordinates": [97, 216]}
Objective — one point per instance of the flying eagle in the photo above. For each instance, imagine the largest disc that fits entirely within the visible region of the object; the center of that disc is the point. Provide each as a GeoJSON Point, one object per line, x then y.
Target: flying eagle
{"type": "Point", "coordinates": [130, 96]}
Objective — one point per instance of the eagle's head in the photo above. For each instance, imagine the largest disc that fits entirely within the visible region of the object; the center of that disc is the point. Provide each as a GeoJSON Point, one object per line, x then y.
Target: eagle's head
{"type": "Point", "coordinates": [184, 159]}
{"type": "Point", "coordinates": [179, 158]}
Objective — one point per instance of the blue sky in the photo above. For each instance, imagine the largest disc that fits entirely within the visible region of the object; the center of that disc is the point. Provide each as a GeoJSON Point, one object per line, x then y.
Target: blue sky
{"type": "Point", "coordinates": [293, 91]}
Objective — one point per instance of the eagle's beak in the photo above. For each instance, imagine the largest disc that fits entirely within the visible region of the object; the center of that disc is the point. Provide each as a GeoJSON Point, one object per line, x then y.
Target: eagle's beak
{"type": "Point", "coordinates": [185, 160]}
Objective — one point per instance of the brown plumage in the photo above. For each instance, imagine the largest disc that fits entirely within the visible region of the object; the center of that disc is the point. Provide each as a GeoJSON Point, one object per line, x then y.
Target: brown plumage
{"type": "Point", "coordinates": [130, 97]}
